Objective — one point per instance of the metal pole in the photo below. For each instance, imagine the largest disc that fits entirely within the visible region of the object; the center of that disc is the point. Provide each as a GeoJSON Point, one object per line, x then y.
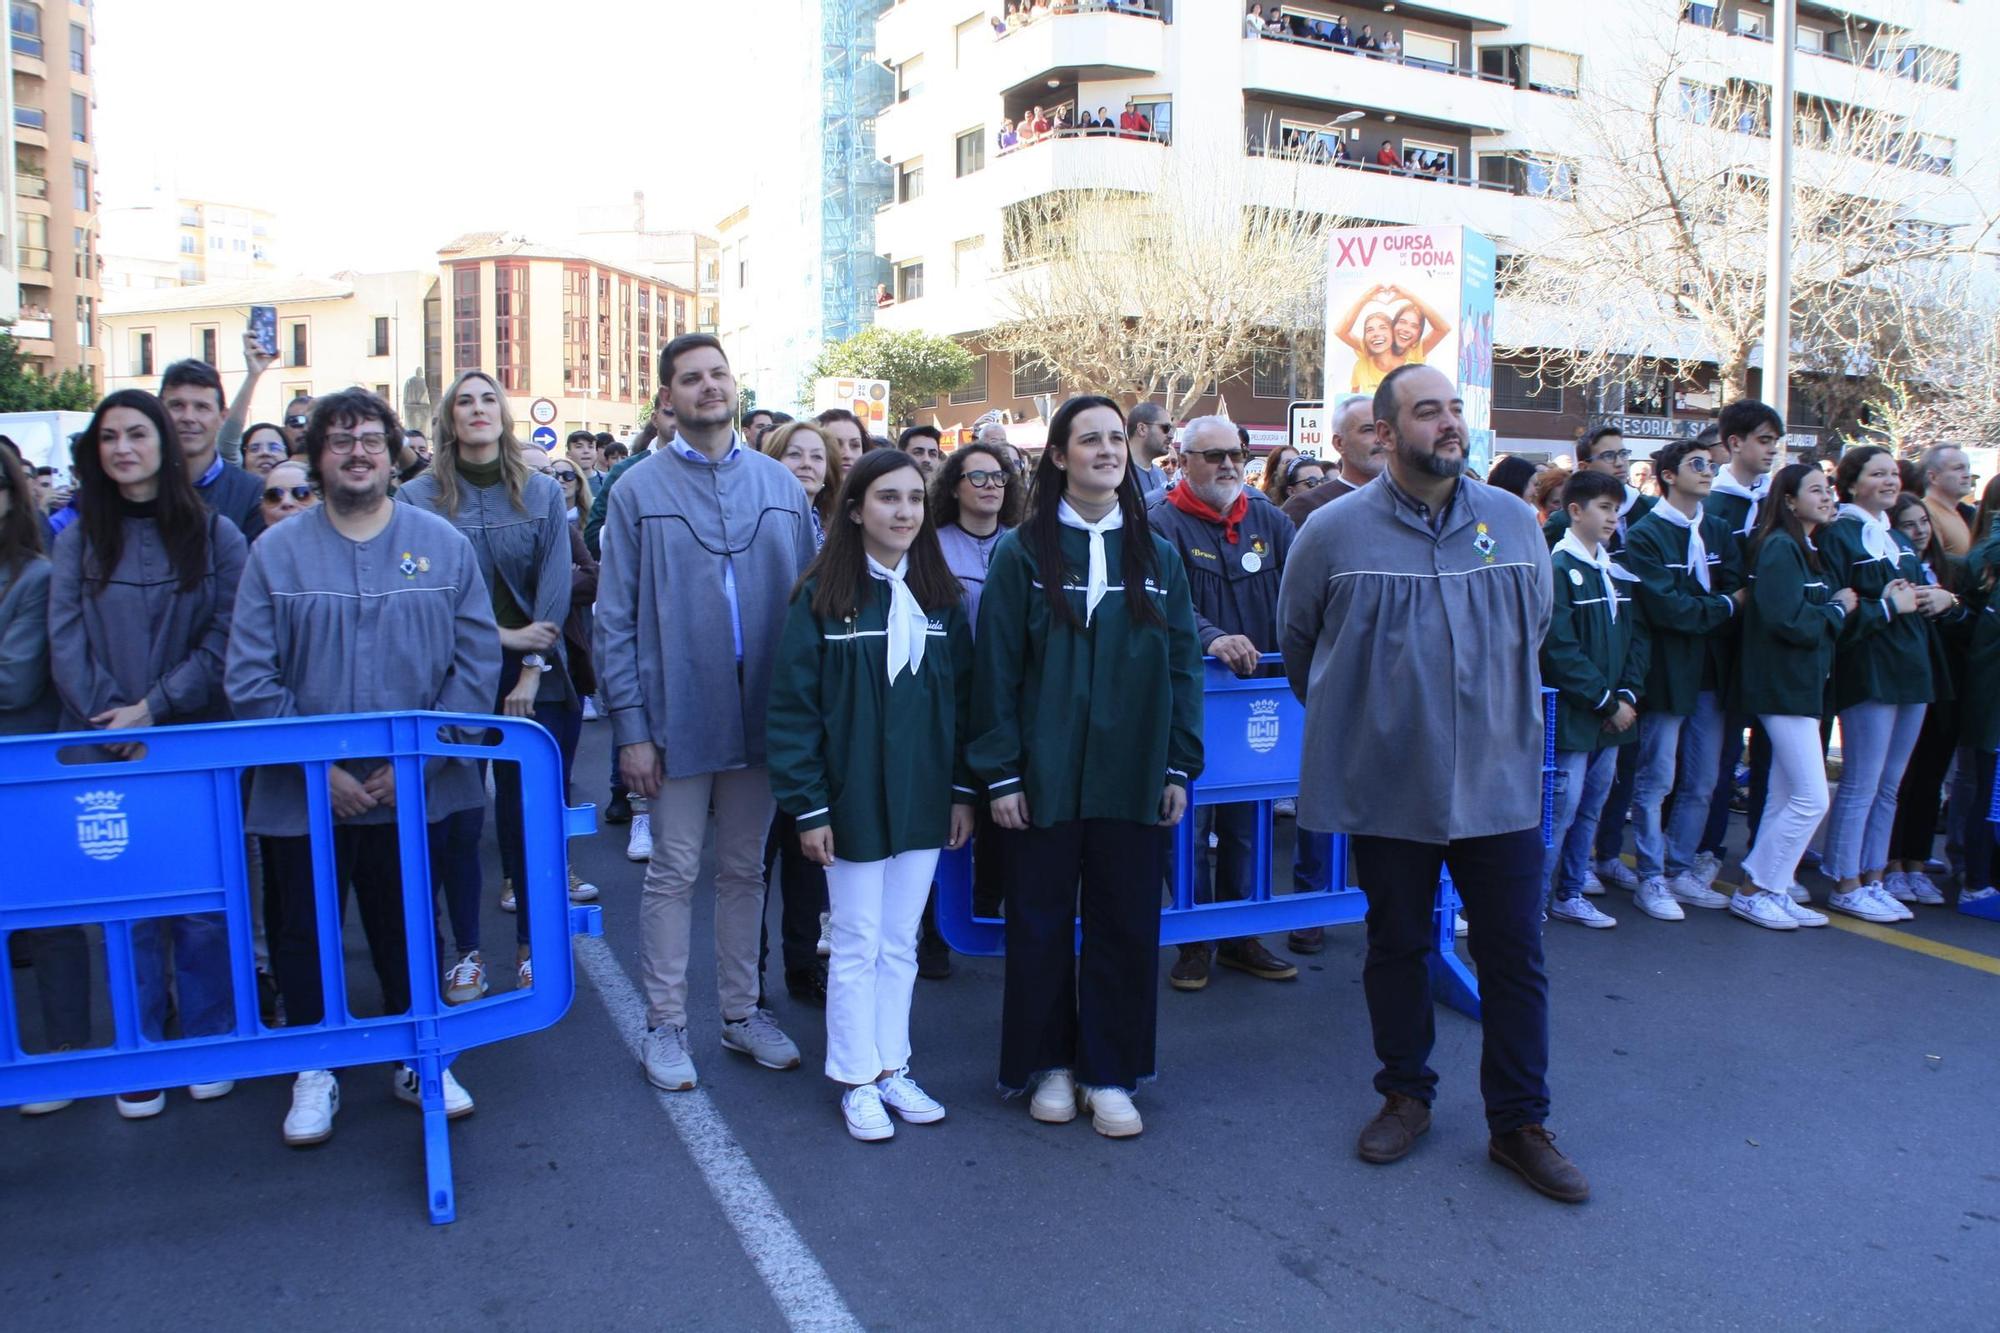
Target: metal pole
{"type": "Point", "coordinates": [1778, 278]}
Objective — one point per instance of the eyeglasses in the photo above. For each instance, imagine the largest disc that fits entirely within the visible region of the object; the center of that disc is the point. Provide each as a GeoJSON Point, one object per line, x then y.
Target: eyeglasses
{"type": "Point", "coordinates": [1308, 483]}
{"type": "Point", "coordinates": [1698, 465]}
{"type": "Point", "coordinates": [984, 480]}
{"type": "Point", "coordinates": [373, 443]}
{"type": "Point", "coordinates": [562, 474]}
{"type": "Point", "coordinates": [1216, 457]}
{"type": "Point", "coordinates": [275, 494]}
{"type": "Point", "coordinates": [1612, 455]}
{"type": "Point", "coordinates": [297, 423]}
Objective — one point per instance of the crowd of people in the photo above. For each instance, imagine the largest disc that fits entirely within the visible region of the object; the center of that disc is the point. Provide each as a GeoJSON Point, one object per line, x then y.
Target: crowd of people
{"type": "Point", "coordinates": [839, 657]}
{"type": "Point", "coordinates": [1272, 22]}
{"type": "Point", "coordinates": [1066, 121]}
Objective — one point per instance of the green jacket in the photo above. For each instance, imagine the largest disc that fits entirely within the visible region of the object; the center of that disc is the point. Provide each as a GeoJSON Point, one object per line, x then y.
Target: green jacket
{"type": "Point", "coordinates": [594, 523]}
{"type": "Point", "coordinates": [1883, 657]}
{"type": "Point", "coordinates": [1979, 707]}
{"type": "Point", "coordinates": [1687, 626]}
{"type": "Point", "coordinates": [1637, 505]}
{"type": "Point", "coordinates": [1090, 721]}
{"type": "Point", "coordinates": [1790, 626]}
{"type": "Point", "coordinates": [879, 762]}
{"type": "Point", "coordinates": [1592, 661]}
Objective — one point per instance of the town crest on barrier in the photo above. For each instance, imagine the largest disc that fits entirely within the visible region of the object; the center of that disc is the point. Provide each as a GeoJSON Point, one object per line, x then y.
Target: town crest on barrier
{"type": "Point", "coordinates": [102, 830]}
{"type": "Point", "coordinates": [1261, 731]}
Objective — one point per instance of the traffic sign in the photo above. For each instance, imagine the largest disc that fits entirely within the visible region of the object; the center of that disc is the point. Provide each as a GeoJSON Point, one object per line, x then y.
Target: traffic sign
{"type": "Point", "coordinates": [542, 411]}
{"type": "Point", "coordinates": [545, 436]}
{"type": "Point", "coordinates": [1308, 428]}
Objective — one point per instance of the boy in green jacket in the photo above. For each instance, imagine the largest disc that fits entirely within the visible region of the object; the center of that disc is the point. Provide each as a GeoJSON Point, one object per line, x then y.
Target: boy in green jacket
{"type": "Point", "coordinates": [1595, 658]}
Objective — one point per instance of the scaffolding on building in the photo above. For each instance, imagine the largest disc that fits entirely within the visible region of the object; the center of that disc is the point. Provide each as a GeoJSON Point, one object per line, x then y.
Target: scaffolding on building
{"type": "Point", "coordinates": [853, 182]}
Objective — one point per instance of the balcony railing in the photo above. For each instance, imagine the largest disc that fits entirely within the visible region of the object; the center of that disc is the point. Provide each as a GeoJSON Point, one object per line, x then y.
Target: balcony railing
{"type": "Point", "coordinates": [1319, 155]}
{"type": "Point", "coordinates": [31, 117]}
{"type": "Point", "coordinates": [32, 257]}
{"type": "Point", "coordinates": [31, 187]}
{"type": "Point", "coordinates": [1027, 141]}
{"type": "Point", "coordinates": [25, 45]}
{"type": "Point", "coordinates": [1007, 27]}
{"type": "Point", "coordinates": [1394, 56]}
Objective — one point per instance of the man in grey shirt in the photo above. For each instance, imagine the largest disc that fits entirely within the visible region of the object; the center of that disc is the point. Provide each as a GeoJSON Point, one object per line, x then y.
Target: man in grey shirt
{"type": "Point", "coordinates": [703, 541]}
{"type": "Point", "coordinates": [1411, 619]}
{"type": "Point", "coordinates": [357, 605]}
{"type": "Point", "coordinates": [1150, 435]}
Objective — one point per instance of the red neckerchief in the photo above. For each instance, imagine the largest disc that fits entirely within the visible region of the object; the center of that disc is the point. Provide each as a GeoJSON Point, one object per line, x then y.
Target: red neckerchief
{"type": "Point", "coordinates": [1184, 499]}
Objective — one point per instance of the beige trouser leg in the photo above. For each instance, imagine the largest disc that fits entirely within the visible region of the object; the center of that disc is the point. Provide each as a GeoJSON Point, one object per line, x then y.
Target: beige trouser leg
{"type": "Point", "coordinates": [743, 806]}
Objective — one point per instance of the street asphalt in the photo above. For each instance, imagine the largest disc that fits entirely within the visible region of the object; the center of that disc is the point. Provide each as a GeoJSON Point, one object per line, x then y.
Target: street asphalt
{"type": "Point", "coordinates": [1781, 1130]}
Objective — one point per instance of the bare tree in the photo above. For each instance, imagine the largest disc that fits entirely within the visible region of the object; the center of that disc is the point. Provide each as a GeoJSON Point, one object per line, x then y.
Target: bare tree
{"type": "Point", "coordinates": [1172, 285]}
{"type": "Point", "coordinates": [1650, 258]}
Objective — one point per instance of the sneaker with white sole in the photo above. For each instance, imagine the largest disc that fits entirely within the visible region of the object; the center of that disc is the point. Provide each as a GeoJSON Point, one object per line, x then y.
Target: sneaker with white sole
{"type": "Point", "coordinates": [141, 1105]}
{"type": "Point", "coordinates": [825, 947]}
{"type": "Point", "coordinates": [901, 1094]}
{"type": "Point", "coordinates": [1923, 889]}
{"type": "Point", "coordinates": [1690, 888]}
{"type": "Point", "coordinates": [315, 1100]}
{"type": "Point", "coordinates": [1800, 912]}
{"type": "Point", "coordinates": [1582, 911]}
{"type": "Point", "coordinates": [1111, 1112]}
{"type": "Point", "coordinates": [1593, 887]}
{"type": "Point", "coordinates": [508, 902]}
{"type": "Point", "coordinates": [466, 981]}
{"type": "Point", "coordinates": [409, 1087]}
{"type": "Point", "coordinates": [581, 890]}
{"type": "Point", "coordinates": [1861, 903]}
{"type": "Point", "coordinates": [1986, 894]}
{"type": "Point", "coordinates": [46, 1108]}
{"type": "Point", "coordinates": [1653, 898]}
{"type": "Point", "coordinates": [1799, 894]}
{"type": "Point", "coordinates": [639, 842]}
{"type": "Point", "coordinates": [866, 1119]}
{"type": "Point", "coordinates": [590, 713]}
{"type": "Point", "coordinates": [208, 1092]}
{"type": "Point", "coordinates": [524, 974]}
{"type": "Point", "coordinates": [1882, 896]}
{"type": "Point", "coordinates": [758, 1036]}
{"type": "Point", "coordinates": [1054, 1102]}
{"type": "Point", "coordinates": [1760, 908]}
{"type": "Point", "coordinates": [669, 1064]}
{"type": "Point", "coordinates": [1618, 875]}
{"type": "Point", "coordinates": [1897, 885]}
{"type": "Point", "coordinates": [1460, 927]}
{"type": "Point", "coordinates": [1707, 867]}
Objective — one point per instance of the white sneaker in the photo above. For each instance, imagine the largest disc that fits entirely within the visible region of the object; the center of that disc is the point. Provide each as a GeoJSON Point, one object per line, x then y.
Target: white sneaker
{"type": "Point", "coordinates": [208, 1092]}
{"type": "Point", "coordinates": [1706, 868]}
{"type": "Point", "coordinates": [1285, 809]}
{"type": "Point", "coordinates": [1460, 927]}
{"type": "Point", "coordinates": [1897, 885]}
{"type": "Point", "coordinates": [524, 974]}
{"type": "Point", "coordinates": [866, 1120]}
{"type": "Point", "coordinates": [1582, 911]}
{"type": "Point", "coordinates": [45, 1108]}
{"type": "Point", "coordinates": [315, 1099]}
{"type": "Point", "coordinates": [901, 1094]}
{"type": "Point", "coordinates": [1054, 1102]}
{"type": "Point", "coordinates": [639, 842]}
{"type": "Point", "coordinates": [508, 903]}
{"type": "Point", "coordinates": [1618, 875]}
{"type": "Point", "coordinates": [1861, 903]}
{"type": "Point", "coordinates": [1593, 887]}
{"type": "Point", "coordinates": [1977, 895]}
{"type": "Point", "coordinates": [1925, 892]}
{"type": "Point", "coordinates": [1690, 888]}
{"type": "Point", "coordinates": [589, 708]}
{"type": "Point", "coordinates": [581, 890]}
{"type": "Point", "coordinates": [410, 1088]}
{"type": "Point", "coordinates": [1653, 898]}
{"type": "Point", "coordinates": [1799, 894]}
{"type": "Point", "coordinates": [825, 947]}
{"type": "Point", "coordinates": [141, 1105]}
{"type": "Point", "coordinates": [1760, 908]}
{"type": "Point", "coordinates": [466, 981]}
{"type": "Point", "coordinates": [669, 1065]}
{"type": "Point", "coordinates": [1881, 896]}
{"type": "Point", "coordinates": [1800, 912]}
{"type": "Point", "coordinates": [1111, 1112]}
{"type": "Point", "coordinates": [758, 1036]}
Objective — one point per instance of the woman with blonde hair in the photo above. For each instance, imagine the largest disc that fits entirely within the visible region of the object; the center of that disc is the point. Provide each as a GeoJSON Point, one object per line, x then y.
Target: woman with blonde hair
{"type": "Point", "coordinates": [803, 447]}
{"type": "Point", "coordinates": [517, 520]}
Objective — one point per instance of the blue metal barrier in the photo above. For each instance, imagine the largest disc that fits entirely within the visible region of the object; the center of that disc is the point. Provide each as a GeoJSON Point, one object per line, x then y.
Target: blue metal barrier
{"type": "Point", "coordinates": [117, 843]}
{"type": "Point", "coordinates": [1251, 733]}
{"type": "Point", "coordinates": [1990, 909]}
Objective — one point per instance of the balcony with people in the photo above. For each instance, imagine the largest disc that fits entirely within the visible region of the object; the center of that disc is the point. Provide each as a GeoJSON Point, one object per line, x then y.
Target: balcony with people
{"type": "Point", "coordinates": [1100, 39]}
{"type": "Point", "coordinates": [1846, 34]}
{"type": "Point", "coordinates": [1409, 66]}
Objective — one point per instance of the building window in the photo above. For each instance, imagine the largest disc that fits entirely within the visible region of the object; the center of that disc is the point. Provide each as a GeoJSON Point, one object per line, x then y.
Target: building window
{"type": "Point", "coordinates": [86, 323]}
{"type": "Point", "coordinates": [381, 343]}
{"type": "Point", "coordinates": [604, 334]}
{"type": "Point", "coordinates": [465, 318]}
{"type": "Point", "coordinates": [33, 250]}
{"type": "Point", "coordinates": [382, 392]}
{"type": "Point", "coordinates": [187, 244]}
{"type": "Point", "coordinates": [297, 345]}
{"type": "Point", "coordinates": [209, 340]}
{"type": "Point", "coordinates": [27, 26]}
{"type": "Point", "coordinates": [624, 338]}
{"type": "Point", "coordinates": [79, 41]}
{"type": "Point", "coordinates": [645, 342]}
{"type": "Point", "coordinates": [1032, 379]}
{"type": "Point", "coordinates": [971, 151]}
{"type": "Point", "coordinates": [1159, 113]}
{"type": "Point", "coordinates": [968, 261]}
{"type": "Point", "coordinates": [1271, 375]}
{"type": "Point", "coordinates": [79, 118]}
{"type": "Point", "coordinates": [576, 330]}
{"type": "Point", "coordinates": [910, 181]}
{"type": "Point", "coordinates": [680, 316]}
{"type": "Point", "coordinates": [80, 179]}
{"type": "Point", "coordinates": [142, 353]}
{"type": "Point", "coordinates": [80, 242]}
{"type": "Point", "coordinates": [974, 390]}
{"type": "Point", "coordinates": [909, 78]}
{"type": "Point", "coordinates": [968, 37]}
{"type": "Point", "coordinates": [1520, 389]}
{"type": "Point", "coordinates": [910, 281]}
{"type": "Point", "coordinates": [510, 325]}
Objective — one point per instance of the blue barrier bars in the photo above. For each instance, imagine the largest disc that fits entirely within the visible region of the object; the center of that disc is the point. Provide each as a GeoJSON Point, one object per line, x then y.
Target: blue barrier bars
{"type": "Point", "coordinates": [1988, 910]}
{"type": "Point", "coordinates": [114, 844]}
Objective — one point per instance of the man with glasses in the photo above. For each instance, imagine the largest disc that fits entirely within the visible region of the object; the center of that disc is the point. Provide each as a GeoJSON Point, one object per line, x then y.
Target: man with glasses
{"type": "Point", "coordinates": [340, 612]}
{"type": "Point", "coordinates": [1690, 573]}
{"type": "Point", "coordinates": [1149, 434]}
{"type": "Point", "coordinates": [1604, 450]}
{"type": "Point", "coordinates": [1233, 542]}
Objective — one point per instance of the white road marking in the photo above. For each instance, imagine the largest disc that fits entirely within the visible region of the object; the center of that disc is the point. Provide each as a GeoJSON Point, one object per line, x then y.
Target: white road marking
{"type": "Point", "coordinates": [804, 1294]}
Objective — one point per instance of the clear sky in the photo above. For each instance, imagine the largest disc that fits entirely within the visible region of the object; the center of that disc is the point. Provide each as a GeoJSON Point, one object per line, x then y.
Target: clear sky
{"type": "Point", "coordinates": [379, 129]}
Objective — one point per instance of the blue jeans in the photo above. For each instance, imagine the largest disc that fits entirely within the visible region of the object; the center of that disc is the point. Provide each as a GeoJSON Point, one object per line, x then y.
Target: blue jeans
{"type": "Point", "coordinates": [1312, 856]}
{"type": "Point", "coordinates": [202, 995]}
{"type": "Point", "coordinates": [1715, 837]}
{"type": "Point", "coordinates": [1617, 805]}
{"type": "Point", "coordinates": [1875, 745]}
{"type": "Point", "coordinates": [1697, 739]}
{"type": "Point", "coordinates": [1587, 776]}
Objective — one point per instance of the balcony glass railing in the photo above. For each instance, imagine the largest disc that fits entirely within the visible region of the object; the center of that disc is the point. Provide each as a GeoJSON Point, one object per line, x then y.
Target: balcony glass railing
{"type": "Point", "coordinates": [1042, 13]}
{"type": "Point", "coordinates": [26, 45]}
{"type": "Point", "coordinates": [31, 117]}
{"type": "Point", "coordinates": [32, 257]}
{"type": "Point", "coordinates": [31, 187]}
{"type": "Point", "coordinates": [1324, 36]}
{"type": "Point", "coordinates": [1014, 139]}
{"type": "Point", "coordinates": [1318, 154]}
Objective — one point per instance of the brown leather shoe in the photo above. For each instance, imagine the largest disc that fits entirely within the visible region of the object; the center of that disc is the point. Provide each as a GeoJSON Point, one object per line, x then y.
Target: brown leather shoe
{"type": "Point", "coordinates": [1394, 1130]}
{"type": "Point", "coordinates": [1310, 940]}
{"type": "Point", "coordinates": [1191, 971]}
{"type": "Point", "coordinates": [1530, 1152]}
{"type": "Point", "coordinates": [1250, 955]}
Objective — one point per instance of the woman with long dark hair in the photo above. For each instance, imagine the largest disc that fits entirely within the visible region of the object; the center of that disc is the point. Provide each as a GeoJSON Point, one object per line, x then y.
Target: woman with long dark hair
{"type": "Point", "coordinates": [1920, 799]}
{"type": "Point", "coordinates": [139, 609]}
{"type": "Point", "coordinates": [865, 732]}
{"type": "Point", "coordinates": [1087, 714]}
{"type": "Point", "coordinates": [516, 518]}
{"type": "Point", "coordinates": [1791, 623]}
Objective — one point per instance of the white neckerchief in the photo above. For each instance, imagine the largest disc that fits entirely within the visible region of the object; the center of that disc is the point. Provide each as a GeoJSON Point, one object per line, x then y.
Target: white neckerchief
{"type": "Point", "coordinates": [1697, 562]}
{"type": "Point", "coordinates": [908, 625]}
{"type": "Point", "coordinates": [1099, 579]}
{"type": "Point", "coordinates": [1876, 534]}
{"type": "Point", "coordinates": [1725, 482]}
{"type": "Point", "coordinates": [1605, 569]}
{"type": "Point", "coordinates": [1632, 497]}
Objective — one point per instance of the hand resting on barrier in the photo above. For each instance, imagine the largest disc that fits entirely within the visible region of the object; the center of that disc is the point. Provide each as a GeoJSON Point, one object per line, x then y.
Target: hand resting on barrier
{"type": "Point", "coordinates": [381, 785]}
{"type": "Point", "coordinates": [1236, 652]}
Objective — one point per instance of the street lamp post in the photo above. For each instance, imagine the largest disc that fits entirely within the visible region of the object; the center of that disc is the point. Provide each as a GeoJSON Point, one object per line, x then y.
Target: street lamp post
{"type": "Point", "coordinates": [1778, 278]}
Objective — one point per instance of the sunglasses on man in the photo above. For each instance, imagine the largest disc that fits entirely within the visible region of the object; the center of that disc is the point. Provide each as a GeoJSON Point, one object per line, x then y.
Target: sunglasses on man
{"type": "Point", "coordinates": [299, 494]}
{"type": "Point", "coordinates": [297, 423]}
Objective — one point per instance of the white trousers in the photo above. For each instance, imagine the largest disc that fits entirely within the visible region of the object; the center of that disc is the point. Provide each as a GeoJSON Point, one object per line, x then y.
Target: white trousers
{"type": "Point", "coordinates": [1796, 803]}
{"type": "Point", "coordinates": [877, 908]}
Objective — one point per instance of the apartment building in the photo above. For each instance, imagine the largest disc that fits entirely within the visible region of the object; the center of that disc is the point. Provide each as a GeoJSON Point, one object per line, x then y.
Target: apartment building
{"type": "Point", "coordinates": [54, 172]}
{"type": "Point", "coordinates": [1463, 123]}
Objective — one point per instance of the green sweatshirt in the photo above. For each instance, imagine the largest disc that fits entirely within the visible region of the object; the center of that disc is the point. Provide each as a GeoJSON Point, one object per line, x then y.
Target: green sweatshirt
{"type": "Point", "coordinates": [1979, 713]}
{"type": "Point", "coordinates": [879, 762]}
{"type": "Point", "coordinates": [1687, 626]}
{"type": "Point", "coordinates": [1593, 662]}
{"type": "Point", "coordinates": [1884, 657]}
{"type": "Point", "coordinates": [1790, 626]}
{"type": "Point", "coordinates": [1090, 721]}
